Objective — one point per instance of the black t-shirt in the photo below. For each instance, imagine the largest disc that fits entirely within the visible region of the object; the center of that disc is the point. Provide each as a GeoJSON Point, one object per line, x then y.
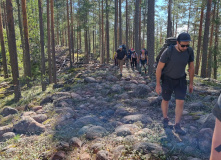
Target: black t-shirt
{"type": "Point", "coordinates": [217, 109]}
{"type": "Point", "coordinates": [175, 62]}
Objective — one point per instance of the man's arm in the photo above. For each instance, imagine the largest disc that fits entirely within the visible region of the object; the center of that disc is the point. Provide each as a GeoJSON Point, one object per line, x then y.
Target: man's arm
{"type": "Point", "coordinates": [191, 76]}
{"type": "Point", "coordinates": [216, 142]}
{"type": "Point", "coordinates": [160, 66]}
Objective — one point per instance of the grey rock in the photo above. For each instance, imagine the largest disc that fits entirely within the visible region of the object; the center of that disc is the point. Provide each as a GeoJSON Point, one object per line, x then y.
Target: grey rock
{"type": "Point", "coordinates": [75, 142]}
{"type": "Point", "coordinates": [30, 113]}
{"type": "Point", "coordinates": [90, 80]}
{"type": "Point", "coordinates": [205, 139]}
{"type": "Point", "coordinates": [123, 131]}
{"type": "Point", "coordinates": [137, 117]}
{"type": "Point", "coordinates": [142, 90]}
{"type": "Point", "coordinates": [154, 100]}
{"type": "Point", "coordinates": [8, 111]}
{"type": "Point", "coordinates": [84, 129]}
{"type": "Point", "coordinates": [111, 78]}
{"type": "Point", "coordinates": [86, 120]}
{"type": "Point", "coordinates": [8, 135]}
{"type": "Point", "coordinates": [96, 147]}
{"type": "Point", "coordinates": [36, 108]}
{"type": "Point", "coordinates": [146, 148]}
{"type": "Point", "coordinates": [28, 125]}
{"type": "Point", "coordinates": [40, 118]}
{"type": "Point", "coordinates": [46, 100]}
{"type": "Point", "coordinates": [5, 129]}
{"type": "Point", "coordinates": [197, 105]}
{"type": "Point", "coordinates": [102, 155]}
{"type": "Point", "coordinates": [118, 151]}
{"type": "Point", "coordinates": [96, 132]}
{"type": "Point", "coordinates": [85, 156]}
{"type": "Point", "coordinates": [121, 111]}
{"type": "Point", "coordinates": [116, 88]}
{"type": "Point", "coordinates": [207, 121]}
{"type": "Point", "coordinates": [64, 146]}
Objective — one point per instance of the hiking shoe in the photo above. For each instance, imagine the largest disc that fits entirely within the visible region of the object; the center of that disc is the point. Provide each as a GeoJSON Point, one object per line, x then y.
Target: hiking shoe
{"type": "Point", "coordinates": [121, 74]}
{"type": "Point", "coordinates": [179, 130]}
{"type": "Point", "coordinates": [165, 122]}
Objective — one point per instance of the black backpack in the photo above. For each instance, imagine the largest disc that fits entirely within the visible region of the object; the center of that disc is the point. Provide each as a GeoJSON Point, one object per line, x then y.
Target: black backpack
{"type": "Point", "coordinates": [169, 45]}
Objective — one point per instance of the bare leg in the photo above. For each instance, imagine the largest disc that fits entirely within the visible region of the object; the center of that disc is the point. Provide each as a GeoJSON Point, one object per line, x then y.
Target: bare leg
{"type": "Point", "coordinates": [164, 107]}
{"type": "Point", "coordinates": [179, 110]}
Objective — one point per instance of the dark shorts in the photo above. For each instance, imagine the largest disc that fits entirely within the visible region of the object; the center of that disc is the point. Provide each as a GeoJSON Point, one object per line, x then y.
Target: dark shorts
{"type": "Point", "coordinates": [176, 86]}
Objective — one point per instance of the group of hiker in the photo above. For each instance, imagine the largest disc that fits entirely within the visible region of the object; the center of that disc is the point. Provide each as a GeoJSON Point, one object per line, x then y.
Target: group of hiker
{"type": "Point", "coordinates": [122, 56]}
{"type": "Point", "coordinates": [171, 78]}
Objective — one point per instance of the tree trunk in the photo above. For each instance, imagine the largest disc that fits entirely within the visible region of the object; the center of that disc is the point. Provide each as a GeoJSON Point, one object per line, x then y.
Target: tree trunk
{"type": "Point", "coordinates": [5, 17]}
{"type": "Point", "coordinates": [69, 39]}
{"type": "Point", "coordinates": [43, 82]}
{"type": "Point", "coordinates": [216, 44]}
{"type": "Point", "coordinates": [137, 45]}
{"type": "Point", "coordinates": [127, 24]}
{"type": "Point", "coordinates": [199, 42]}
{"type": "Point", "coordinates": [209, 63]}
{"type": "Point", "coordinates": [49, 43]}
{"type": "Point", "coordinates": [4, 60]}
{"type": "Point", "coordinates": [140, 25]}
{"type": "Point", "coordinates": [21, 31]}
{"type": "Point", "coordinates": [169, 22]}
{"type": "Point", "coordinates": [57, 40]}
{"type": "Point", "coordinates": [12, 50]}
{"type": "Point", "coordinates": [53, 44]}
{"type": "Point", "coordinates": [116, 24]}
{"type": "Point", "coordinates": [205, 40]}
{"type": "Point", "coordinates": [120, 23]}
{"type": "Point", "coordinates": [72, 36]}
{"type": "Point", "coordinates": [102, 19]}
{"type": "Point", "coordinates": [107, 32]}
{"type": "Point", "coordinates": [27, 69]}
{"type": "Point", "coordinates": [150, 35]}
{"type": "Point", "coordinates": [188, 23]}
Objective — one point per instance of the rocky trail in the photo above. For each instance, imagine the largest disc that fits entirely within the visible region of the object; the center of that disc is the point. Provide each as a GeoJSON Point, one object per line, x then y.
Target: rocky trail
{"type": "Point", "coordinates": [97, 115]}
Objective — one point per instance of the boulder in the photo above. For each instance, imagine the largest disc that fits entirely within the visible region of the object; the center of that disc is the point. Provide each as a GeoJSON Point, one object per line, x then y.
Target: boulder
{"type": "Point", "coordinates": [207, 121]}
{"type": "Point", "coordinates": [137, 117]}
{"type": "Point", "coordinates": [95, 132]}
{"type": "Point", "coordinates": [75, 142]}
{"type": "Point", "coordinates": [102, 155]}
{"type": "Point", "coordinates": [90, 80]}
{"type": "Point", "coordinates": [8, 111]}
{"type": "Point", "coordinates": [28, 125]}
{"type": "Point", "coordinates": [40, 118]}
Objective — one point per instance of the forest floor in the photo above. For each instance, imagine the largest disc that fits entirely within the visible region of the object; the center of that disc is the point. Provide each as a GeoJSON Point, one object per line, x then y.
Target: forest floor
{"type": "Point", "coordinates": [94, 113]}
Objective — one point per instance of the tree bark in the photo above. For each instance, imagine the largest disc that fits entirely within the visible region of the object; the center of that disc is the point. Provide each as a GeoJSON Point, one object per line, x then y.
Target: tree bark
{"type": "Point", "coordinates": [12, 50]}
{"type": "Point", "coordinates": [136, 21]}
{"type": "Point", "coordinates": [150, 35]}
{"type": "Point", "coordinates": [169, 22]}
{"type": "Point", "coordinates": [127, 24]}
{"type": "Point", "coordinates": [27, 69]}
{"type": "Point", "coordinates": [21, 31]}
{"type": "Point", "coordinates": [107, 32]}
{"type": "Point", "coordinates": [41, 26]}
{"type": "Point", "coordinates": [209, 63]}
{"type": "Point", "coordinates": [140, 25]}
{"type": "Point", "coordinates": [4, 60]}
{"type": "Point", "coordinates": [72, 36]}
{"type": "Point", "coordinates": [69, 34]}
{"type": "Point", "coordinates": [120, 23]}
{"type": "Point", "coordinates": [216, 42]}
{"type": "Point", "coordinates": [116, 24]}
{"type": "Point", "coordinates": [205, 40]}
{"type": "Point", "coordinates": [53, 44]}
{"type": "Point", "coordinates": [49, 43]}
{"type": "Point", "coordinates": [199, 42]}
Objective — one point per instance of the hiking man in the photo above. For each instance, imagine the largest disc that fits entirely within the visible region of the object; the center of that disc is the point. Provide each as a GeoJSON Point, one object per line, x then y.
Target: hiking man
{"type": "Point", "coordinates": [129, 53]}
{"type": "Point", "coordinates": [216, 142]}
{"type": "Point", "coordinates": [143, 60]}
{"type": "Point", "coordinates": [171, 69]}
{"type": "Point", "coordinates": [121, 56]}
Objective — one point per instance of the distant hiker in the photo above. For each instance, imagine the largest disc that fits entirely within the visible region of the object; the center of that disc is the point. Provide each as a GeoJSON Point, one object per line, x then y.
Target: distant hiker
{"type": "Point", "coordinates": [121, 56]}
{"type": "Point", "coordinates": [216, 141]}
{"type": "Point", "coordinates": [143, 60]}
{"type": "Point", "coordinates": [134, 57]}
{"type": "Point", "coordinates": [129, 53]}
{"type": "Point", "coordinates": [115, 59]}
{"type": "Point", "coordinates": [171, 70]}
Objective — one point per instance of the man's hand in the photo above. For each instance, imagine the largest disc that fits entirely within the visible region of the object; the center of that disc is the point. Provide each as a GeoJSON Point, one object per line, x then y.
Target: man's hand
{"type": "Point", "coordinates": [158, 89]}
{"type": "Point", "coordinates": [191, 88]}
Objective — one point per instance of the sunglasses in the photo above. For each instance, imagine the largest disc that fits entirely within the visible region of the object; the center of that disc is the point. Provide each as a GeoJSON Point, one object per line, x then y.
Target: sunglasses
{"type": "Point", "coordinates": [184, 45]}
